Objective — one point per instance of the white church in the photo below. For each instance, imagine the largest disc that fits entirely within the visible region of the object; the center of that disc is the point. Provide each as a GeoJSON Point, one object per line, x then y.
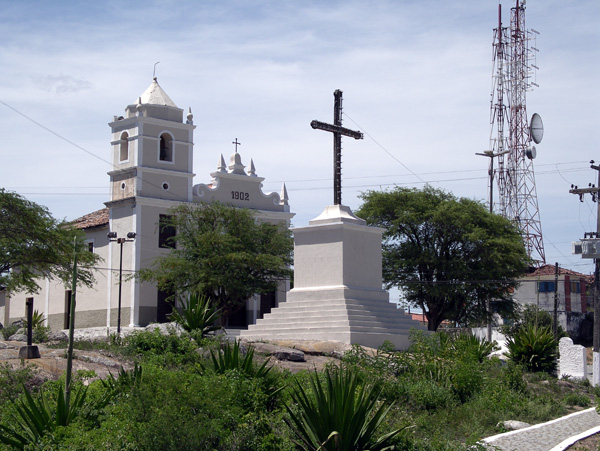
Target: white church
{"type": "Point", "coordinates": [337, 292]}
{"type": "Point", "coordinates": [152, 158]}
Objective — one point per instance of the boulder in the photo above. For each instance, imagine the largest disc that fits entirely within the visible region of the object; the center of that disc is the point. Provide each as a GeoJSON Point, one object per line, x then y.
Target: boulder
{"type": "Point", "coordinates": [18, 337]}
{"type": "Point", "coordinates": [279, 352]}
{"type": "Point", "coordinates": [513, 425]}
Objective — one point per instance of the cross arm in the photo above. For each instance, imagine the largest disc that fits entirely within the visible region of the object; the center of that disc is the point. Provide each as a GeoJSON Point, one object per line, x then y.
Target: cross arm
{"type": "Point", "coordinates": [336, 129]}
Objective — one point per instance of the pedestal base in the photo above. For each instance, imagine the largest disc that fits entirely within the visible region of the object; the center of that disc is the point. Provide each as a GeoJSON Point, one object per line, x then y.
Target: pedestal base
{"type": "Point", "coordinates": [29, 352]}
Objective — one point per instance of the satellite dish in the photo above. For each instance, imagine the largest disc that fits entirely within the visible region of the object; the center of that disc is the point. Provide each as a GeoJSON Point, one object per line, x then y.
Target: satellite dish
{"type": "Point", "coordinates": [536, 128]}
{"type": "Point", "coordinates": [531, 153]}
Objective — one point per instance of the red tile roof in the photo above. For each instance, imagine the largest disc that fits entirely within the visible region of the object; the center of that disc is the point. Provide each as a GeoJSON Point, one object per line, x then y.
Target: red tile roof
{"type": "Point", "coordinates": [548, 270]}
{"type": "Point", "coordinates": [95, 219]}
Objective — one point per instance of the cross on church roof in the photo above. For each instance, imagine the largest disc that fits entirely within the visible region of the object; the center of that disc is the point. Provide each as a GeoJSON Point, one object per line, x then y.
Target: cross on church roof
{"type": "Point", "coordinates": [236, 144]}
{"type": "Point", "coordinates": [337, 131]}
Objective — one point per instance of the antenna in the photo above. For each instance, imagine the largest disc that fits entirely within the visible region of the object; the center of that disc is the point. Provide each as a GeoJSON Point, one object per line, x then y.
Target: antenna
{"type": "Point", "coordinates": [514, 66]}
{"type": "Point", "coordinates": [154, 71]}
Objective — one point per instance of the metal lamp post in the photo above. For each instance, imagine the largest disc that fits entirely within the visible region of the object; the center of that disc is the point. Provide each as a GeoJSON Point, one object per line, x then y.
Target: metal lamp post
{"type": "Point", "coordinates": [112, 236]}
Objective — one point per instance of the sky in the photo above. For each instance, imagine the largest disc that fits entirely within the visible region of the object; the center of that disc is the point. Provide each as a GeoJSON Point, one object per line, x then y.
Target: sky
{"type": "Point", "coordinates": [416, 78]}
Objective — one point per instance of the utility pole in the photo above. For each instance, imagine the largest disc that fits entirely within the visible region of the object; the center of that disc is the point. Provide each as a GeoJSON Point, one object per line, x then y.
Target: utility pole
{"type": "Point", "coordinates": [555, 317]}
{"type": "Point", "coordinates": [594, 190]}
{"type": "Point", "coordinates": [112, 236]}
{"type": "Point", "coordinates": [490, 154]}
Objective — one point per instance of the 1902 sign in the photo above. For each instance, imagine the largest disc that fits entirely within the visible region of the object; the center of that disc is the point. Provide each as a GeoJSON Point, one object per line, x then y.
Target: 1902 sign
{"type": "Point", "coordinates": [240, 195]}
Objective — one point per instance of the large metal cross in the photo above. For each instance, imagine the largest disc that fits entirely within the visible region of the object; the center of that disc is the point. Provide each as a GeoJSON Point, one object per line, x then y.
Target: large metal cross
{"type": "Point", "coordinates": [337, 131]}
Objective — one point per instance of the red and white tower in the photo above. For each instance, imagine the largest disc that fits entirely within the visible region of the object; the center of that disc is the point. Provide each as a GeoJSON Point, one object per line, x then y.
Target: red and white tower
{"type": "Point", "coordinates": [511, 135]}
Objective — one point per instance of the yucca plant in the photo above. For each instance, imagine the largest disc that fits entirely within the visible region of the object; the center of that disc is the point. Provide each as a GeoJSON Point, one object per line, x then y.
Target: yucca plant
{"type": "Point", "coordinates": [469, 345]}
{"type": "Point", "coordinates": [338, 414]}
{"type": "Point", "coordinates": [534, 347]}
{"type": "Point", "coordinates": [41, 416]}
{"type": "Point", "coordinates": [37, 320]}
{"type": "Point", "coordinates": [230, 358]}
{"type": "Point", "coordinates": [198, 315]}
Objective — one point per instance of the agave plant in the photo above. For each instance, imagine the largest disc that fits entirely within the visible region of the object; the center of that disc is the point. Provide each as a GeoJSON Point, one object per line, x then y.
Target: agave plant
{"type": "Point", "coordinates": [37, 320]}
{"type": "Point", "coordinates": [38, 417]}
{"type": "Point", "coordinates": [534, 347]}
{"type": "Point", "coordinates": [230, 358]}
{"type": "Point", "coordinates": [469, 345]}
{"type": "Point", "coordinates": [339, 414]}
{"type": "Point", "coordinates": [197, 314]}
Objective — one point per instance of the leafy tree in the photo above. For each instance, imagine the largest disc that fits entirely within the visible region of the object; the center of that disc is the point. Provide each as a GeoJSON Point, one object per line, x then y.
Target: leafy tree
{"type": "Point", "coordinates": [33, 245]}
{"type": "Point", "coordinates": [224, 253]}
{"type": "Point", "coordinates": [448, 255]}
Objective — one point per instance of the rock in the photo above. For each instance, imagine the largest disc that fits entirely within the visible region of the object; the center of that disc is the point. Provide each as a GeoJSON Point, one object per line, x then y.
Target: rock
{"type": "Point", "coordinates": [99, 360]}
{"type": "Point", "coordinates": [58, 336]}
{"type": "Point", "coordinates": [279, 352]}
{"type": "Point", "coordinates": [18, 337]}
{"type": "Point", "coordinates": [513, 425]}
{"type": "Point", "coordinates": [166, 328]}
{"type": "Point", "coordinates": [19, 323]}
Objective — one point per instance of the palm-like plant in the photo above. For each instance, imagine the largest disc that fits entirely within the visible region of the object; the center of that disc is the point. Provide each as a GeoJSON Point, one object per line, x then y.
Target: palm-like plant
{"type": "Point", "coordinates": [340, 414]}
{"type": "Point", "coordinates": [534, 347]}
{"type": "Point", "coordinates": [230, 358]}
{"type": "Point", "coordinates": [197, 314]}
{"type": "Point", "coordinates": [38, 417]}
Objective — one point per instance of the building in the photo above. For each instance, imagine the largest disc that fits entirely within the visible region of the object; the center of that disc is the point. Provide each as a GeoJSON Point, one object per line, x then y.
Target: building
{"type": "Point", "coordinates": [152, 150]}
{"type": "Point", "coordinates": [573, 291]}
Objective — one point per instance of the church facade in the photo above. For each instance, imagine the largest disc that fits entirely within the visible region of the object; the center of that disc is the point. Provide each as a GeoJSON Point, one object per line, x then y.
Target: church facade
{"type": "Point", "coordinates": [152, 171]}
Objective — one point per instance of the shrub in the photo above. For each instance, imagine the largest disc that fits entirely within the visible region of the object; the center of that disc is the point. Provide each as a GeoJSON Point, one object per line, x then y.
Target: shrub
{"type": "Point", "coordinates": [534, 347]}
{"type": "Point", "coordinates": [577, 399]}
{"type": "Point", "coordinates": [167, 349]}
{"type": "Point", "coordinates": [9, 331]}
{"type": "Point", "coordinates": [469, 346]}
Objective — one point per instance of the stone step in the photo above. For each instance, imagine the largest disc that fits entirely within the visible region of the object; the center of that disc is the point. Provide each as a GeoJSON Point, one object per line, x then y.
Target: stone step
{"type": "Point", "coordinates": [348, 303]}
{"type": "Point", "coordinates": [355, 325]}
{"type": "Point", "coordinates": [299, 317]}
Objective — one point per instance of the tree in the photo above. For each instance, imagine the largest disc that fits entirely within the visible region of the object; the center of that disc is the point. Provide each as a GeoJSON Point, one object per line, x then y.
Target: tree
{"type": "Point", "coordinates": [34, 245]}
{"type": "Point", "coordinates": [448, 255]}
{"type": "Point", "coordinates": [224, 253]}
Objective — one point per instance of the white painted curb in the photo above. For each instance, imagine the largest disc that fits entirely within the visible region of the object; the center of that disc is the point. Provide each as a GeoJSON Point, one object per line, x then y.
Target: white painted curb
{"type": "Point", "coordinates": [571, 440]}
{"type": "Point", "coordinates": [536, 426]}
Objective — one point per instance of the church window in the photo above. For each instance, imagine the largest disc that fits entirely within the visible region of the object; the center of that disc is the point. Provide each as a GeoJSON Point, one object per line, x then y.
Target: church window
{"type": "Point", "coordinates": [165, 186]}
{"type": "Point", "coordinates": [166, 232]}
{"type": "Point", "coordinates": [124, 147]}
{"type": "Point", "coordinates": [165, 152]}
{"type": "Point", "coordinates": [90, 246]}
{"type": "Point", "coordinates": [123, 186]}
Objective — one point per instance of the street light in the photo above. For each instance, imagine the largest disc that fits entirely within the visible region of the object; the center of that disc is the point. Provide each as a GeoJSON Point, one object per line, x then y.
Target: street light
{"type": "Point", "coordinates": [112, 236]}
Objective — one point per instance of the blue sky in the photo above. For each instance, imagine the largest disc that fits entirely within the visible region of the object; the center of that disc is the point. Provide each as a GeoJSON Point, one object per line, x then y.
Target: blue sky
{"type": "Point", "coordinates": [416, 77]}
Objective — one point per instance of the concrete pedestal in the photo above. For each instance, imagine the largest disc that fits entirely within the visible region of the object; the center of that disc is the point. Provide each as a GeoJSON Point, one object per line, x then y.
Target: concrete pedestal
{"type": "Point", "coordinates": [337, 291]}
{"type": "Point", "coordinates": [29, 352]}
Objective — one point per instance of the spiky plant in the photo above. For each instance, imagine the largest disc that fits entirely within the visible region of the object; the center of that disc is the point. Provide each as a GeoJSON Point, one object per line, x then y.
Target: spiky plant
{"type": "Point", "coordinates": [339, 414]}
{"type": "Point", "coordinates": [534, 347]}
{"type": "Point", "coordinates": [198, 315]}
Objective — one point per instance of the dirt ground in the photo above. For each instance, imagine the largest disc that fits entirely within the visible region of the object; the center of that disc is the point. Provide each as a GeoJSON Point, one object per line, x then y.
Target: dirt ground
{"type": "Point", "coordinates": [588, 444]}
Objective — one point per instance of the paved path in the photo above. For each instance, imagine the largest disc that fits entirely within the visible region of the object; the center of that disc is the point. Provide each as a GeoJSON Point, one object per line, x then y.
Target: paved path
{"type": "Point", "coordinates": [551, 436]}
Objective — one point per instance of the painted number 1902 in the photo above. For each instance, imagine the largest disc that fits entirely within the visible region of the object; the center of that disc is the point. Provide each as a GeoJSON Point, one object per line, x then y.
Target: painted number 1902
{"type": "Point", "coordinates": [240, 195]}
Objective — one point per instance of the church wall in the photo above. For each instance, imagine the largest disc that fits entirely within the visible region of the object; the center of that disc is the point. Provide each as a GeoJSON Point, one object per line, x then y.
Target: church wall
{"type": "Point", "coordinates": [152, 186]}
{"type": "Point", "coordinates": [150, 143]}
{"type": "Point", "coordinates": [90, 302]}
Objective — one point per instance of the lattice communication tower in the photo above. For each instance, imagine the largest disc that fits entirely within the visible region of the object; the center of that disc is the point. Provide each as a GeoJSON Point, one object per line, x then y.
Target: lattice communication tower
{"type": "Point", "coordinates": [511, 138]}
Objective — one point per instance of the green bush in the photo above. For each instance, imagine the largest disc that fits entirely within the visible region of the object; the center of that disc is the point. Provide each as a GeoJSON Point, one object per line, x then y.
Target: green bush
{"type": "Point", "coordinates": [535, 348]}
{"type": "Point", "coordinates": [577, 399]}
{"type": "Point", "coordinates": [166, 349]}
{"type": "Point", "coordinates": [9, 331]}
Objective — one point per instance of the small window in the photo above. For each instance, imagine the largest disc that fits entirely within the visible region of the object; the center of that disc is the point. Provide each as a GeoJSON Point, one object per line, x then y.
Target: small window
{"type": "Point", "coordinates": [123, 186]}
{"type": "Point", "coordinates": [546, 287]}
{"type": "Point", "coordinates": [165, 152]}
{"type": "Point", "coordinates": [124, 147]}
{"type": "Point", "coordinates": [165, 186]}
{"type": "Point", "coordinates": [90, 246]}
{"type": "Point", "coordinates": [166, 232]}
